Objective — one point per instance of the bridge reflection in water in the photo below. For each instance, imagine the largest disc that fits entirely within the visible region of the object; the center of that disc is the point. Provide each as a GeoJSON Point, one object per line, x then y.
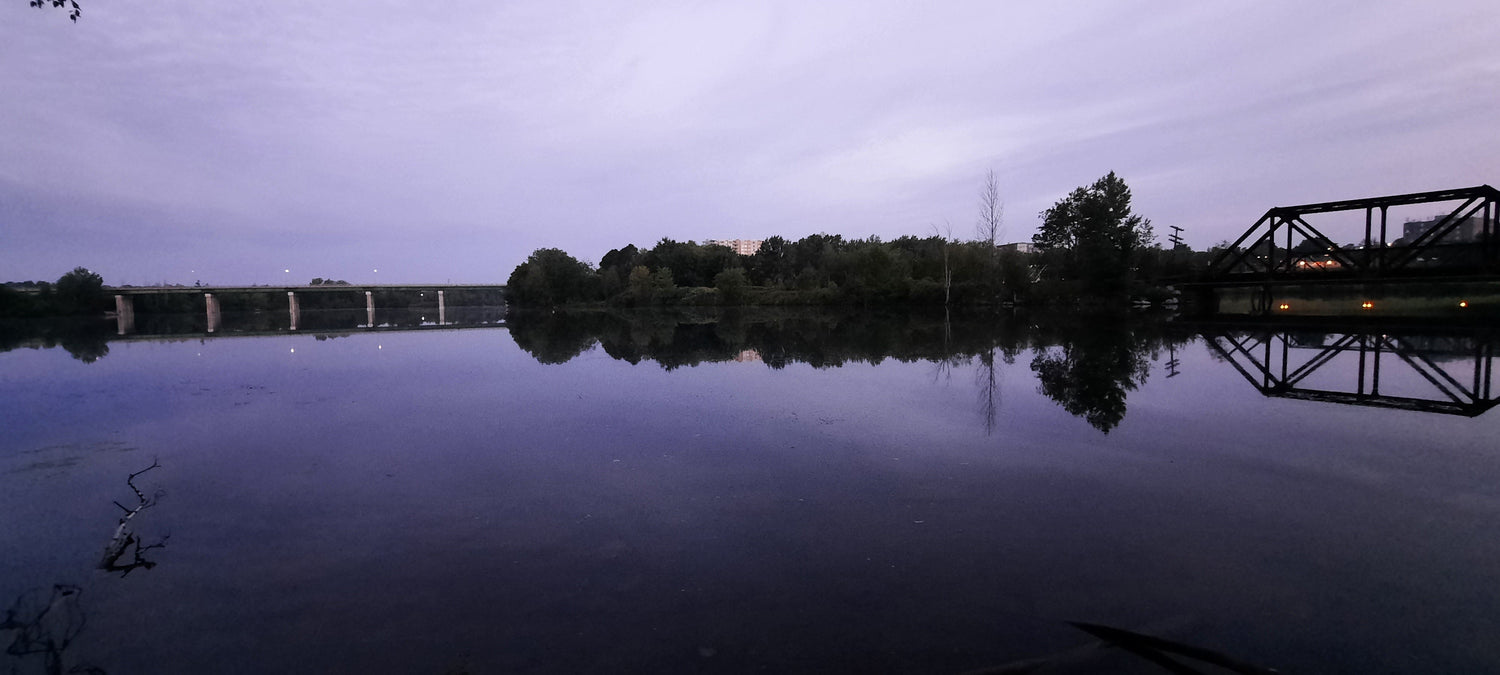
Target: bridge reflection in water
{"type": "Point", "coordinates": [338, 321]}
{"type": "Point", "coordinates": [1449, 372]}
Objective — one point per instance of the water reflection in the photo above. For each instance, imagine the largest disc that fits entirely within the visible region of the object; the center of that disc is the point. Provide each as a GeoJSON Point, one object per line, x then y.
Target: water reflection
{"type": "Point", "coordinates": [88, 339]}
{"type": "Point", "coordinates": [1441, 371]}
{"type": "Point", "coordinates": [1087, 365]}
{"type": "Point", "coordinates": [44, 623]}
{"type": "Point", "coordinates": [1089, 370]}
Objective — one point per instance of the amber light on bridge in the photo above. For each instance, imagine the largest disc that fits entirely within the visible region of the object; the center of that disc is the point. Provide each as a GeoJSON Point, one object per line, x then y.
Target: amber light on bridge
{"type": "Point", "coordinates": [1367, 305]}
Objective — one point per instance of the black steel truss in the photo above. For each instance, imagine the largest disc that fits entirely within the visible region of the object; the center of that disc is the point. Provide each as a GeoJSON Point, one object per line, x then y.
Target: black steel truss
{"type": "Point", "coordinates": [1271, 255]}
{"type": "Point", "coordinates": [1266, 359]}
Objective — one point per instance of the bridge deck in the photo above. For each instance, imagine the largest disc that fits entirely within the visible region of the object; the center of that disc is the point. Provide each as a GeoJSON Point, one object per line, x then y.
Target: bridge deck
{"type": "Point", "coordinates": [168, 290]}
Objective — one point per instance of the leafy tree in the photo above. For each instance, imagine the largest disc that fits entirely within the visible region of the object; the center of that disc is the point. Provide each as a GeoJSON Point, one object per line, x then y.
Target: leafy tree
{"type": "Point", "coordinates": [1091, 235]}
{"type": "Point", "coordinates": [74, 11]}
{"type": "Point", "coordinates": [731, 284]}
{"type": "Point", "coordinates": [772, 264]}
{"type": "Point", "coordinates": [662, 284]}
{"type": "Point", "coordinates": [550, 277]}
{"type": "Point", "coordinates": [621, 259]}
{"type": "Point", "coordinates": [79, 291]}
{"type": "Point", "coordinates": [640, 284]}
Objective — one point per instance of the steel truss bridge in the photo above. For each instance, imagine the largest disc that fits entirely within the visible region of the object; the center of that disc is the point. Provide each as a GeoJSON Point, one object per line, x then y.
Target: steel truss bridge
{"type": "Point", "coordinates": [1283, 247]}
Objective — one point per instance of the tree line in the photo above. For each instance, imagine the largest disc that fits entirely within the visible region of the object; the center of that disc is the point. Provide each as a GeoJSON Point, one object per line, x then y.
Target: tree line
{"type": "Point", "coordinates": [78, 292]}
{"type": "Point", "coordinates": [1091, 245]}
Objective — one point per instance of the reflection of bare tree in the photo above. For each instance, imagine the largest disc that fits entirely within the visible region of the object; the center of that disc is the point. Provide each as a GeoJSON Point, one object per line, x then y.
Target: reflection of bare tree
{"type": "Point", "coordinates": [989, 390]}
{"type": "Point", "coordinates": [949, 357]}
{"type": "Point", "coordinates": [125, 539]}
{"type": "Point", "coordinates": [45, 624]}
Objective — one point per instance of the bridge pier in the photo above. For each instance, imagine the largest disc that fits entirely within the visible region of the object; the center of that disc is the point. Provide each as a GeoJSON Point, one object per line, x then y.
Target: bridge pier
{"type": "Point", "coordinates": [124, 315]}
{"type": "Point", "coordinates": [211, 305]}
{"type": "Point", "coordinates": [292, 308]}
{"type": "Point", "coordinates": [369, 309]}
{"type": "Point", "coordinates": [442, 310]}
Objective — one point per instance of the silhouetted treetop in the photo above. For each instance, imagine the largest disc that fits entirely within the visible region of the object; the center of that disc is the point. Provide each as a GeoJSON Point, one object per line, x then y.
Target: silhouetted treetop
{"type": "Point", "coordinates": [74, 11]}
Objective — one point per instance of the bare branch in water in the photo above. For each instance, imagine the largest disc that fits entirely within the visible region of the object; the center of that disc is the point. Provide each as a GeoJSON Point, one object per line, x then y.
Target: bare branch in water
{"type": "Point", "coordinates": [125, 540]}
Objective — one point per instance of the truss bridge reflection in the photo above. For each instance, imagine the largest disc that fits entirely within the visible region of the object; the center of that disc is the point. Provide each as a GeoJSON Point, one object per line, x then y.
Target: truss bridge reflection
{"type": "Point", "coordinates": [1439, 372]}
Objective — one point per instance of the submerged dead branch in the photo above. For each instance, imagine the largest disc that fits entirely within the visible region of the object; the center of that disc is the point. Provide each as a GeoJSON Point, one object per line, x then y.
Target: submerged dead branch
{"type": "Point", "coordinates": [125, 541]}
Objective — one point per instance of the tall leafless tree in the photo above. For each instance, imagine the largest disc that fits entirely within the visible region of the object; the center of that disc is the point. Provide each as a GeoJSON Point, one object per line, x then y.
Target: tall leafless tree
{"type": "Point", "coordinates": [947, 237]}
{"type": "Point", "coordinates": [991, 222]}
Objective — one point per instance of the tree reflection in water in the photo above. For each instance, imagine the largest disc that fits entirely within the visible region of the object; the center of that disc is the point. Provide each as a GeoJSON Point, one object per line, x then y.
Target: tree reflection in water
{"type": "Point", "coordinates": [1090, 370]}
{"type": "Point", "coordinates": [84, 339]}
{"type": "Point", "coordinates": [1088, 364]}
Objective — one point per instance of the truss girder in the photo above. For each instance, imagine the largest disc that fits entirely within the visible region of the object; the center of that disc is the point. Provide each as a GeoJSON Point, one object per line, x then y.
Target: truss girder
{"type": "Point", "coordinates": [1265, 361]}
{"type": "Point", "coordinates": [1271, 260]}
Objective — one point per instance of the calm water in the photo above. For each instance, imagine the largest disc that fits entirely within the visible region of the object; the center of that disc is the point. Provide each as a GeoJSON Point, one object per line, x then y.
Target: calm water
{"type": "Point", "coordinates": [777, 492]}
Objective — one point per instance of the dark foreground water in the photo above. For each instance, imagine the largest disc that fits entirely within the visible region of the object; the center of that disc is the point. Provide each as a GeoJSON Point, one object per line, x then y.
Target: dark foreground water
{"type": "Point", "coordinates": [776, 493]}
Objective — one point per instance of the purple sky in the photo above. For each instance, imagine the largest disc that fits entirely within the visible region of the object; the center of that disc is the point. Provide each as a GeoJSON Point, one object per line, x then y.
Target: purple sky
{"type": "Point", "coordinates": [229, 141]}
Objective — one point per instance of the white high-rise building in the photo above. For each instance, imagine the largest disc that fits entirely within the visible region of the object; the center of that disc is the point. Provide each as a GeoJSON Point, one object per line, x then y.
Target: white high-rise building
{"type": "Point", "coordinates": [740, 246]}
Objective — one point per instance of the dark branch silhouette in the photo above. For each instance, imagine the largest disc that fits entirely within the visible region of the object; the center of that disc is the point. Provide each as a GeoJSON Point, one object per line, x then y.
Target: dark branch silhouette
{"type": "Point", "coordinates": [125, 540]}
{"type": "Point", "coordinates": [45, 624]}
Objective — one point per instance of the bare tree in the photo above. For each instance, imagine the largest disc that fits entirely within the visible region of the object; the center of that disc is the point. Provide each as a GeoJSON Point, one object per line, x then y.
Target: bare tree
{"type": "Point", "coordinates": [991, 212]}
{"type": "Point", "coordinates": [947, 237]}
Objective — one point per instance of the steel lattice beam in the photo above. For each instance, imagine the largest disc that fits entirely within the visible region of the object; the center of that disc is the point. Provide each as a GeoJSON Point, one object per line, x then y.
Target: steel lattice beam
{"type": "Point", "coordinates": [1265, 260]}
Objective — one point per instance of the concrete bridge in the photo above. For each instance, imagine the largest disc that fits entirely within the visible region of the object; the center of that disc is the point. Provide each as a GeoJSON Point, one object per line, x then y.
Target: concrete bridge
{"type": "Point", "coordinates": [125, 298]}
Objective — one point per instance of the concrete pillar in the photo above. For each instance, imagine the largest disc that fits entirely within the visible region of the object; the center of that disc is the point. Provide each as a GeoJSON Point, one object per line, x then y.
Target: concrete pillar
{"type": "Point", "coordinates": [370, 309]}
{"type": "Point", "coordinates": [442, 310]}
{"type": "Point", "coordinates": [292, 309]}
{"type": "Point", "coordinates": [212, 305]}
{"type": "Point", "coordinates": [124, 315]}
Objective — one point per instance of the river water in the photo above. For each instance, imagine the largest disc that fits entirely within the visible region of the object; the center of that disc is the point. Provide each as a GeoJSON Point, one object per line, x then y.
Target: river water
{"type": "Point", "coordinates": [783, 492]}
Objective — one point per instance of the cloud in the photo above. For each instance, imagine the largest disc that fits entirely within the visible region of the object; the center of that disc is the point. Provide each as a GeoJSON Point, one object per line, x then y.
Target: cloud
{"type": "Point", "coordinates": [462, 136]}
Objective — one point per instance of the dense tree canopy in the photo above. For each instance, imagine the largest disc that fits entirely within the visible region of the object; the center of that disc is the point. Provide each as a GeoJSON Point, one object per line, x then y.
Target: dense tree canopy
{"type": "Point", "coordinates": [551, 277]}
{"type": "Point", "coordinates": [1092, 236]}
{"type": "Point", "coordinates": [1093, 247]}
{"type": "Point", "coordinates": [78, 292]}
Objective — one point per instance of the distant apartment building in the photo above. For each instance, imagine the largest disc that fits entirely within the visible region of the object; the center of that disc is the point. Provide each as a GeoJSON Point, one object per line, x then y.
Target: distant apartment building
{"type": "Point", "coordinates": [740, 246]}
{"type": "Point", "coordinates": [1019, 247]}
{"type": "Point", "coordinates": [1469, 230]}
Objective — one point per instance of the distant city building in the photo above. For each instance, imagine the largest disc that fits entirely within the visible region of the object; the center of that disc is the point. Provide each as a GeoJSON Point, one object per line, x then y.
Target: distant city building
{"type": "Point", "coordinates": [740, 246]}
{"type": "Point", "coordinates": [1470, 229]}
{"type": "Point", "coordinates": [1019, 247]}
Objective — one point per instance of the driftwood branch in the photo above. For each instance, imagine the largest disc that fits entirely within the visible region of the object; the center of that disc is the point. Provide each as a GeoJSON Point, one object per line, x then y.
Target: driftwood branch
{"type": "Point", "coordinates": [125, 540]}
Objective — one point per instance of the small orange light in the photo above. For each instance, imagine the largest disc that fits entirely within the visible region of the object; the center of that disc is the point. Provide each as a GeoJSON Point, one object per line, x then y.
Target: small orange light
{"type": "Point", "coordinates": [1368, 305]}
{"type": "Point", "coordinates": [1463, 303]}
{"type": "Point", "coordinates": [1285, 306]}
